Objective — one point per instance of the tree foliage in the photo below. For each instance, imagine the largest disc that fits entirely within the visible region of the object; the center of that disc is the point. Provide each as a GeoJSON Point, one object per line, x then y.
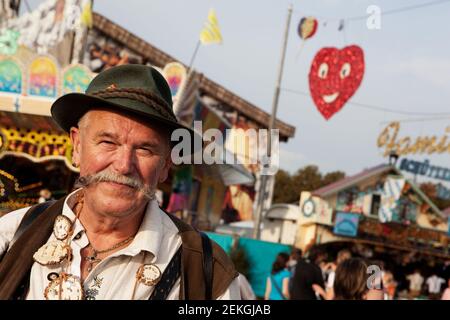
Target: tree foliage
{"type": "Point", "coordinates": [309, 178]}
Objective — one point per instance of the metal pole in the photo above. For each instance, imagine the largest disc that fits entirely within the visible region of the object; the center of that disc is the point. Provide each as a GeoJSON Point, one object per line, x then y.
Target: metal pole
{"type": "Point", "coordinates": [177, 103]}
{"type": "Point", "coordinates": [194, 55]}
{"type": "Point", "coordinates": [264, 178]}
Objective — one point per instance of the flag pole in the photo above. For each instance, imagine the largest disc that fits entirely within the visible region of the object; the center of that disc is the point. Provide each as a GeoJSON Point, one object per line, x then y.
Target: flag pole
{"type": "Point", "coordinates": [194, 56]}
{"type": "Point", "coordinates": [264, 179]}
{"type": "Point", "coordinates": [177, 103]}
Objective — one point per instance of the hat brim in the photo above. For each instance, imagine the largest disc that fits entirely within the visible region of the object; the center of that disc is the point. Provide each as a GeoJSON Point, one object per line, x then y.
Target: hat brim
{"type": "Point", "coordinates": [68, 110]}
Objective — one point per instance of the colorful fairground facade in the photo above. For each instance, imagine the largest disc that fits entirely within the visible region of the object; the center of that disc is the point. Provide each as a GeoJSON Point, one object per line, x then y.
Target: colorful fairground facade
{"type": "Point", "coordinates": [34, 153]}
{"type": "Point", "coordinates": [378, 213]}
{"type": "Point", "coordinates": [41, 60]}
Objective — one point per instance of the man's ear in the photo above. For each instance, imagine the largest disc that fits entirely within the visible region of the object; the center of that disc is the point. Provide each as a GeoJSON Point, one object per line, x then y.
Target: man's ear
{"type": "Point", "coordinates": [166, 167]}
{"type": "Point", "coordinates": [75, 138]}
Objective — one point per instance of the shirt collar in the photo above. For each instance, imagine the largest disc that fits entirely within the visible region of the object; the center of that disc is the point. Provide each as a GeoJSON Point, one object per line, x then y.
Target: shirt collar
{"type": "Point", "coordinates": [150, 233]}
{"type": "Point", "coordinates": [69, 203]}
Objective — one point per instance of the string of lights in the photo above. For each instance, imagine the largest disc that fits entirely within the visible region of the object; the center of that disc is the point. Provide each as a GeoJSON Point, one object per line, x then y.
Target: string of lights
{"type": "Point", "coordinates": [385, 12]}
{"type": "Point", "coordinates": [377, 108]}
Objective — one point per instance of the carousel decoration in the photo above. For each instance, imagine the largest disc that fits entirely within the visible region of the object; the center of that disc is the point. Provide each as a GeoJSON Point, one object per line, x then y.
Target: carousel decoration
{"type": "Point", "coordinates": [33, 85]}
{"type": "Point", "coordinates": [8, 42]}
{"type": "Point", "coordinates": [76, 78]}
{"type": "Point", "coordinates": [40, 76]}
{"type": "Point", "coordinates": [36, 146]}
{"type": "Point", "coordinates": [334, 77]}
{"type": "Point", "coordinates": [43, 77]}
{"type": "Point", "coordinates": [9, 183]}
{"type": "Point", "coordinates": [11, 76]}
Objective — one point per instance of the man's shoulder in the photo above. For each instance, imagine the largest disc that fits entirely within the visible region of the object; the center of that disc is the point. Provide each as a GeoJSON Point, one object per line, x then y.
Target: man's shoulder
{"type": "Point", "coordinates": [192, 242]}
{"type": "Point", "coordinates": [8, 226]}
{"type": "Point", "coordinates": [13, 217]}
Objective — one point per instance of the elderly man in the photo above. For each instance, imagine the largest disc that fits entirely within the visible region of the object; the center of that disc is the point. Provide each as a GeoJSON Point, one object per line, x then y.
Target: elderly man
{"type": "Point", "coordinates": [109, 239]}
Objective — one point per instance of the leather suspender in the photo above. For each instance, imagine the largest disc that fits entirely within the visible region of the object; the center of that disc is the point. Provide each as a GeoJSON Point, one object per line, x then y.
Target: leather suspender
{"type": "Point", "coordinates": [29, 217]}
{"type": "Point", "coordinates": [27, 220]}
{"type": "Point", "coordinates": [173, 270]}
{"type": "Point", "coordinates": [207, 265]}
{"type": "Point", "coordinates": [168, 278]}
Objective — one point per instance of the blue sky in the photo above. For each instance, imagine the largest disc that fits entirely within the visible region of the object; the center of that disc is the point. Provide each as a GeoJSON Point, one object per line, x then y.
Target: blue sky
{"type": "Point", "coordinates": [407, 66]}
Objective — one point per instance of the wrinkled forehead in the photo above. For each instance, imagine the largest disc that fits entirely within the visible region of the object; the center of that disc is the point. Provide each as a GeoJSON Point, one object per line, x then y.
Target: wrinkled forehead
{"type": "Point", "coordinates": [101, 119]}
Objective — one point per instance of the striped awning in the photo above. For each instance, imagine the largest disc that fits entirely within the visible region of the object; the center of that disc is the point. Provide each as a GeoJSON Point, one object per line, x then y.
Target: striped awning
{"type": "Point", "coordinates": [28, 121]}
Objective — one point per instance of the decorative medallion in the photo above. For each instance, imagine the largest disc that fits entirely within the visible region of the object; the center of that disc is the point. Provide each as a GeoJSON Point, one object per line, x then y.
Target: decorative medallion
{"type": "Point", "coordinates": [52, 253]}
{"type": "Point", "coordinates": [62, 226]}
{"type": "Point", "coordinates": [148, 274]}
{"type": "Point", "coordinates": [65, 287]}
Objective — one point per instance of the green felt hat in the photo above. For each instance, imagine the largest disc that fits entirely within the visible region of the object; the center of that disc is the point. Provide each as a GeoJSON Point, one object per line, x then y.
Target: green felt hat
{"type": "Point", "coordinates": [136, 89]}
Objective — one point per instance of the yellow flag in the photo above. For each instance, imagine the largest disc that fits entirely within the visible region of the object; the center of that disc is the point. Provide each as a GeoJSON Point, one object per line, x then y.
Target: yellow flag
{"type": "Point", "coordinates": [211, 31]}
{"type": "Point", "coordinates": [86, 15]}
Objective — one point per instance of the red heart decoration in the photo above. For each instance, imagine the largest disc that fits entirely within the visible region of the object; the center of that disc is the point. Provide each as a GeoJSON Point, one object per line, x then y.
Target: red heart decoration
{"type": "Point", "coordinates": [334, 77]}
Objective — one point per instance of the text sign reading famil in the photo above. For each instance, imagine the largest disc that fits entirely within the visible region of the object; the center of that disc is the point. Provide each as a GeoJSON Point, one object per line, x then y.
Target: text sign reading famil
{"type": "Point", "coordinates": [389, 140]}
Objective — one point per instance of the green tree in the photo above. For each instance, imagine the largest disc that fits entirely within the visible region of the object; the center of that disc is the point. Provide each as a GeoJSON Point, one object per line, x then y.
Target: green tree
{"type": "Point", "coordinates": [331, 177]}
{"type": "Point", "coordinates": [284, 191]}
{"type": "Point", "coordinates": [309, 178]}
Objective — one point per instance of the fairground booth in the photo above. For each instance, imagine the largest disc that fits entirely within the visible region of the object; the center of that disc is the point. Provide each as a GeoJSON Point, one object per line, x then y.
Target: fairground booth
{"type": "Point", "coordinates": [378, 214]}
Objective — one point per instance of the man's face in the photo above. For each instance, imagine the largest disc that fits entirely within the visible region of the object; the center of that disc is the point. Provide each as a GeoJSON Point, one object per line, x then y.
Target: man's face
{"type": "Point", "coordinates": [125, 147]}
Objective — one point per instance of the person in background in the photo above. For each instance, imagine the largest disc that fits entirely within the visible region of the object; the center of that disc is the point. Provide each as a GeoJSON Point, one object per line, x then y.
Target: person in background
{"type": "Point", "coordinates": [446, 294]}
{"type": "Point", "coordinates": [295, 256]}
{"type": "Point", "coordinates": [45, 195]}
{"type": "Point", "coordinates": [390, 285]}
{"type": "Point", "coordinates": [247, 292]}
{"type": "Point", "coordinates": [434, 284]}
{"type": "Point", "coordinates": [351, 282]}
{"type": "Point", "coordinates": [306, 274]}
{"type": "Point", "coordinates": [415, 283]}
{"type": "Point", "coordinates": [277, 285]}
{"type": "Point", "coordinates": [342, 255]}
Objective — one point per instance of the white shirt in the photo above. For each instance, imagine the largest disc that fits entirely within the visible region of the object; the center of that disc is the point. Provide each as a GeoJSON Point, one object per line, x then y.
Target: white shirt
{"type": "Point", "coordinates": [115, 276]}
{"type": "Point", "coordinates": [434, 284]}
{"type": "Point", "coordinates": [246, 289]}
{"type": "Point", "coordinates": [330, 280]}
{"type": "Point", "coordinates": [415, 281]}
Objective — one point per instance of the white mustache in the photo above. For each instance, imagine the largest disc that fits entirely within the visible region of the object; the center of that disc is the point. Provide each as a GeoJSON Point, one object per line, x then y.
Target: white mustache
{"type": "Point", "coordinates": [107, 176]}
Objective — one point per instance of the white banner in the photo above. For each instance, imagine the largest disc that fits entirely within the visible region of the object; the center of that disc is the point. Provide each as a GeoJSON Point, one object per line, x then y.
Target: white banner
{"type": "Point", "coordinates": [391, 193]}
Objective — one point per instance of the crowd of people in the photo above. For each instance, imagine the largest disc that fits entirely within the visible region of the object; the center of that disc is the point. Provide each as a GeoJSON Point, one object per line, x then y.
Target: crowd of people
{"type": "Point", "coordinates": [313, 277]}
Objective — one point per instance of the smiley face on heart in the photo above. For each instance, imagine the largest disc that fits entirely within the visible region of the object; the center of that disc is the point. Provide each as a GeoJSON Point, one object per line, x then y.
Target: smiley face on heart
{"type": "Point", "coordinates": [334, 77]}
